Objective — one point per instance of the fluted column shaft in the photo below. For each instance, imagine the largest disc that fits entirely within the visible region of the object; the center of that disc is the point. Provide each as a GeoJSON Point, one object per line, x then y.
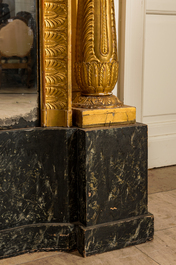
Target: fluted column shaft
{"type": "Point", "coordinates": [96, 66]}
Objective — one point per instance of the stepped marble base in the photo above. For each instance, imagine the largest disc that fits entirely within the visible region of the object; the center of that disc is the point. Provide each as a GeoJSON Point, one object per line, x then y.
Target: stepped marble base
{"type": "Point", "coordinates": [65, 189]}
{"type": "Point", "coordinates": [37, 237]}
{"type": "Point", "coordinates": [115, 235]}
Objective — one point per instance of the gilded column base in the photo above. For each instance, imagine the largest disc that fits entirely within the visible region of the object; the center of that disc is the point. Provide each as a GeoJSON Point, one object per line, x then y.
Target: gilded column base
{"type": "Point", "coordinates": [96, 102]}
{"type": "Point", "coordinates": [85, 118]}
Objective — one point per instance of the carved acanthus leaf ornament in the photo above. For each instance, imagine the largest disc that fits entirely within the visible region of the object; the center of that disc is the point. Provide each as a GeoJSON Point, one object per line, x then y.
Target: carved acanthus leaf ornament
{"type": "Point", "coordinates": [96, 66]}
{"type": "Point", "coordinates": [55, 46]}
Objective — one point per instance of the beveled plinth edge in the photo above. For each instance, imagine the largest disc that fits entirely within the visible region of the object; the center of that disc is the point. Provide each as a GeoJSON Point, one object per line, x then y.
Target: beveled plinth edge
{"type": "Point", "coordinates": [115, 235]}
{"type": "Point", "coordinates": [85, 118]}
{"type": "Point", "coordinates": [37, 237]}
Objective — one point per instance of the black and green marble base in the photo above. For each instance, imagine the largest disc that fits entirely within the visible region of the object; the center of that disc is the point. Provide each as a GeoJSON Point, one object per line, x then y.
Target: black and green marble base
{"type": "Point", "coordinates": [37, 177]}
{"type": "Point", "coordinates": [115, 235]}
{"type": "Point", "coordinates": [112, 173]}
{"type": "Point", "coordinates": [37, 237]}
{"type": "Point", "coordinates": [113, 197]}
{"type": "Point", "coordinates": [65, 189]}
{"type": "Point", "coordinates": [38, 190]}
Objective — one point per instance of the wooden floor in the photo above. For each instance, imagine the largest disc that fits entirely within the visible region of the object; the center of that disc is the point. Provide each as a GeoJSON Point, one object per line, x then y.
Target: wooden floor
{"type": "Point", "coordinates": [162, 250]}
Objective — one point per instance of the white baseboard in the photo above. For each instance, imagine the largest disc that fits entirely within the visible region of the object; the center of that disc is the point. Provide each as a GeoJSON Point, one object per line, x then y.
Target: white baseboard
{"type": "Point", "coordinates": [162, 151]}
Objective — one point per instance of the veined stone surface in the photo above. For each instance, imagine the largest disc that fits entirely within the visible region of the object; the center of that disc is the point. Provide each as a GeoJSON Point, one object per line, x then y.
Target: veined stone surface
{"type": "Point", "coordinates": [112, 172]}
{"type": "Point", "coordinates": [37, 177]}
{"type": "Point", "coordinates": [62, 189]}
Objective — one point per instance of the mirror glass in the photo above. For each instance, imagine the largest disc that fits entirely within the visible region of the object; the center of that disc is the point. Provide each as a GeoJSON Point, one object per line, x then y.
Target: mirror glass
{"type": "Point", "coordinates": [18, 64]}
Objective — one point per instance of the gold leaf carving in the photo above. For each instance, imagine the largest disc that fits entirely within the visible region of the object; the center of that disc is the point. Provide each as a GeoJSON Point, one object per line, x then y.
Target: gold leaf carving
{"type": "Point", "coordinates": [55, 15]}
{"type": "Point", "coordinates": [55, 78]}
{"type": "Point", "coordinates": [55, 50]}
{"type": "Point", "coordinates": [114, 73]}
{"type": "Point", "coordinates": [54, 22]}
{"type": "Point", "coordinates": [55, 36]}
{"type": "Point", "coordinates": [55, 99]}
{"type": "Point", "coordinates": [105, 75]}
{"type": "Point", "coordinates": [85, 32]}
{"type": "Point", "coordinates": [97, 78]}
{"type": "Point", "coordinates": [89, 102]}
{"type": "Point", "coordinates": [55, 1]}
{"type": "Point", "coordinates": [55, 64]}
{"type": "Point", "coordinates": [104, 29]}
{"type": "Point", "coordinates": [55, 45]}
{"type": "Point", "coordinates": [54, 9]}
{"type": "Point", "coordinates": [96, 66]}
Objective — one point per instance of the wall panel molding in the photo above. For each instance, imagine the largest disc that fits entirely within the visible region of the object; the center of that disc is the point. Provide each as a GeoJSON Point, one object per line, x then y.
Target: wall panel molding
{"type": "Point", "coordinates": [161, 12]}
{"type": "Point", "coordinates": [161, 5]}
{"type": "Point", "coordinates": [161, 128]}
{"type": "Point", "coordinates": [162, 150]}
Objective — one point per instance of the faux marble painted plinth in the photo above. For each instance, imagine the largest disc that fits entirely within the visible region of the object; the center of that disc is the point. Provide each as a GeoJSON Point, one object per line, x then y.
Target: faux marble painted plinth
{"type": "Point", "coordinates": [37, 177]}
{"type": "Point", "coordinates": [115, 235]}
{"type": "Point", "coordinates": [38, 197]}
{"type": "Point", "coordinates": [37, 237]}
{"type": "Point", "coordinates": [112, 190]}
{"type": "Point", "coordinates": [62, 189]}
{"type": "Point", "coordinates": [112, 173]}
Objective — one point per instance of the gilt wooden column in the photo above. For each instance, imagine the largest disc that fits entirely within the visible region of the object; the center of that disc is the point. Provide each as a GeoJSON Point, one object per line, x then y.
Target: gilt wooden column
{"type": "Point", "coordinates": [55, 63]}
{"type": "Point", "coordinates": [96, 67]}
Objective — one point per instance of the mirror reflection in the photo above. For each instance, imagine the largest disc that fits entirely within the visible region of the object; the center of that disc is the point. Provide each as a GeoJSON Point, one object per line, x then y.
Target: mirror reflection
{"type": "Point", "coordinates": [18, 64]}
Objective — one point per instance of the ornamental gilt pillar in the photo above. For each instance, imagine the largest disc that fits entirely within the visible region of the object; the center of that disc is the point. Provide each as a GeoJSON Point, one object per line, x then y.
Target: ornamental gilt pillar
{"type": "Point", "coordinates": [96, 67]}
{"type": "Point", "coordinates": [55, 63]}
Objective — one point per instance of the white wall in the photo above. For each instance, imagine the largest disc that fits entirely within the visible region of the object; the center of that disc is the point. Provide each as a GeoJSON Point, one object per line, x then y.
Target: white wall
{"type": "Point", "coordinates": [159, 90]}
{"type": "Point", "coordinates": [149, 79]}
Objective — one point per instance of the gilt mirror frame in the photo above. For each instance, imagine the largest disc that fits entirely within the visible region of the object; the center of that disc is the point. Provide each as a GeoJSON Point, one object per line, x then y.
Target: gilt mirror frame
{"type": "Point", "coordinates": [55, 62]}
